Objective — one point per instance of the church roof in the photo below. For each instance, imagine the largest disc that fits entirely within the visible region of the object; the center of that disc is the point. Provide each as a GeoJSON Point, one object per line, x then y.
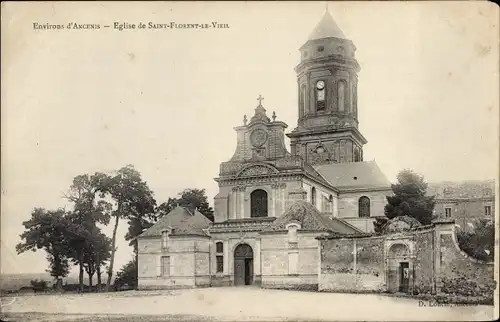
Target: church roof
{"type": "Point", "coordinates": [309, 169]}
{"type": "Point", "coordinates": [326, 28]}
{"type": "Point", "coordinates": [182, 221]}
{"type": "Point", "coordinates": [353, 175]}
{"type": "Point", "coordinates": [310, 219]}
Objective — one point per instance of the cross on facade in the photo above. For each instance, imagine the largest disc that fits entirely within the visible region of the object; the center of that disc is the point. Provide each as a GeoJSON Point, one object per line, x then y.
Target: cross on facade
{"type": "Point", "coordinates": [260, 98]}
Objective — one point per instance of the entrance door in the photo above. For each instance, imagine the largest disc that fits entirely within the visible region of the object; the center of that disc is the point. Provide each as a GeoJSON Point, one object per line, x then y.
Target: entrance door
{"type": "Point", "coordinates": [404, 277]}
{"type": "Point", "coordinates": [248, 271]}
{"type": "Point", "coordinates": [243, 265]}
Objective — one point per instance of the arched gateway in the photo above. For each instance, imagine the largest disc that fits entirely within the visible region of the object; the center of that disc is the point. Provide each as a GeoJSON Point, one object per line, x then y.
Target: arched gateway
{"type": "Point", "coordinates": [243, 265]}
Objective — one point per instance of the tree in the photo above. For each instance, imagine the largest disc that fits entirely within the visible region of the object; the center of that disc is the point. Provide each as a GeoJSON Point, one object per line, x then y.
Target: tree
{"type": "Point", "coordinates": [479, 243]}
{"type": "Point", "coordinates": [142, 215]}
{"type": "Point", "coordinates": [409, 198]}
{"type": "Point", "coordinates": [127, 275]}
{"type": "Point", "coordinates": [379, 224]}
{"type": "Point", "coordinates": [166, 207]}
{"type": "Point", "coordinates": [88, 210]}
{"type": "Point", "coordinates": [187, 197]}
{"type": "Point", "coordinates": [102, 246]}
{"type": "Point", "coordinates": [97, 252]}
{"type": "Point", "coordinates": [48, 230]}
{"type": "Point", "coordinates": [132, 196]}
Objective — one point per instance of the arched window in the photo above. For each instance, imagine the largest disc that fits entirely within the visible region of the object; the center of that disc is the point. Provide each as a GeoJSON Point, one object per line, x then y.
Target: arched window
{"type": "Point", "coordinates": [258, 203]}
{"type": "Point", "coordinates": [364, 207]}
{"type": "Point", "coordinates": [219, 257]}
{"type": "Point", "coordinates": [320, 95]}
{"type": "Point", "coordinates": [341, 91]}
{"type": "Point", "coordinates": [313, 196]}
{"type": "Point", "coordinates": [330, 203]}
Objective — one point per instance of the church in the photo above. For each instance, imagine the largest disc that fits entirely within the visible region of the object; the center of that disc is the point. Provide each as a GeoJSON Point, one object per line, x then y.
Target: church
{"type": "Point", "coordinates": [273, 203]}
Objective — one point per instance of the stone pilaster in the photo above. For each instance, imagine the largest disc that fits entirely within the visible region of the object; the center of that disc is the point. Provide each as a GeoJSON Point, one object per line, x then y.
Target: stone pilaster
{"type": "Point", "coordinates": [242, 202]}
{"type": "Point", "coordinates": [234, 203]}
{"type": "Point", "coordinates": [257, 264]}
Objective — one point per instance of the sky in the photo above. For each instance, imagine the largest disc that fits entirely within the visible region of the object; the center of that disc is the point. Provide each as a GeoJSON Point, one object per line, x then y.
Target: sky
{"type": "Point", "coordinates": [166, 101]}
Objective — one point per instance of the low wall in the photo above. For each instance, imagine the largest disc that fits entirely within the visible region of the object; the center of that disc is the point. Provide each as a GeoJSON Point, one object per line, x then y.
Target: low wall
{"type": "Point", "coordinates": [461, 274]}
{"type": "Point", "coordinates": [352, 265]}
{"type": "Point", "coordinates": [349, 282]}
{"type": "Point", "coordinates": [436, 264]}
{"type": "Point", "coordinates": [291, 282]}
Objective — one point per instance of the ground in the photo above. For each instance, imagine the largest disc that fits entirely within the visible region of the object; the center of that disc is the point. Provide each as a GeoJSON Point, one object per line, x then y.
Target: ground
{"type": "Point", "coordinates": [230, 304]}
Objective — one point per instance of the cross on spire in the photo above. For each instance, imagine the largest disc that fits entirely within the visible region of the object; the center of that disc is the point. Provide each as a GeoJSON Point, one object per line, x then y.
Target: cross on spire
{"type": "Point", "coordinates": [326, 6]}
{"type": "Point", "coordinates": [260, 98]}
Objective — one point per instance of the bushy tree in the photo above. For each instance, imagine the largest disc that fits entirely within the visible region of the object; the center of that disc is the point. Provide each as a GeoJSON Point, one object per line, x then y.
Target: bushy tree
{"type": "Point", "coordinates": [480, 242]}
{"type": "Point", "coordinates": [49, 230]}
{"type": "Point", "coordinates": [127, 275]}
{"type": "Point", "coordinates": [38, 285]}
{"type": "Point", "coordinates": [410, 198]}
{"type": "Point", "coordinates": [187, 197]}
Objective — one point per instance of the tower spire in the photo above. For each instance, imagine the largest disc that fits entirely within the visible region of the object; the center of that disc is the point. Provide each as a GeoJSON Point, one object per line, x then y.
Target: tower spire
{"type": "Point", "coordinates": [327, 27]}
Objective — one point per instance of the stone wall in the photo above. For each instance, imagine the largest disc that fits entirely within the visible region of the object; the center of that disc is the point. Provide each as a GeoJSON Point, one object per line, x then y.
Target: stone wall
{"type": "Point", "coordinates": [289, 267]}
{"type": "Point", "coordinates": [352, 265]}
{"type": "Point", "coordinates": [424, 262]}
{"type": "Point", "coordinates": [189, 262]}
{"type": "Point", "coordinates": [435, 262]}
{"type": "Point", "coordinates": [461, 274]}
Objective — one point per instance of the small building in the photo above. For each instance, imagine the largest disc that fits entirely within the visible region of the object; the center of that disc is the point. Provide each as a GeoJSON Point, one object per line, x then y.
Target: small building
{"type": "Point", "coordinates": [174, 253]}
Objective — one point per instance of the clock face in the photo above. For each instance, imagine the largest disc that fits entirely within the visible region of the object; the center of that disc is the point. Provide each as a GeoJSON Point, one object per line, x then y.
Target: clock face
{"type": "Point", "coordinates": [320, 85]}
{"type": "Point", "coordinates": [258, 138]}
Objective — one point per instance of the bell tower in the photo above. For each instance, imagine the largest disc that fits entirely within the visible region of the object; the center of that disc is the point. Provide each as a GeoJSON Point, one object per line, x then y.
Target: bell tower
{"type": "Point", "coordinates": [327, 129]}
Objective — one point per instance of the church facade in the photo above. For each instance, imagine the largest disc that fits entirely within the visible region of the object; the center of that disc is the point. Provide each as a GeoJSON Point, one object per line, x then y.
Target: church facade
{"type": "Point", "coordinates": [273, 203]}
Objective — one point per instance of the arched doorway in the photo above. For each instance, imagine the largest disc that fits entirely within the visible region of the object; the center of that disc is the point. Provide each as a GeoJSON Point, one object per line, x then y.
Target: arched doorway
{"type": "Point", "coordinates": [243, 265]}
{"type": "Point", "coordinates": [258, 203]}
{"type": "Point", "coordinates": [399, 268]}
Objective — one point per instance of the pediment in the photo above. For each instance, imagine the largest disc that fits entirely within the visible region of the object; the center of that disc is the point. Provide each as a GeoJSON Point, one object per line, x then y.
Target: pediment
{"type": "Point", "coordinates": [260, 169]}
